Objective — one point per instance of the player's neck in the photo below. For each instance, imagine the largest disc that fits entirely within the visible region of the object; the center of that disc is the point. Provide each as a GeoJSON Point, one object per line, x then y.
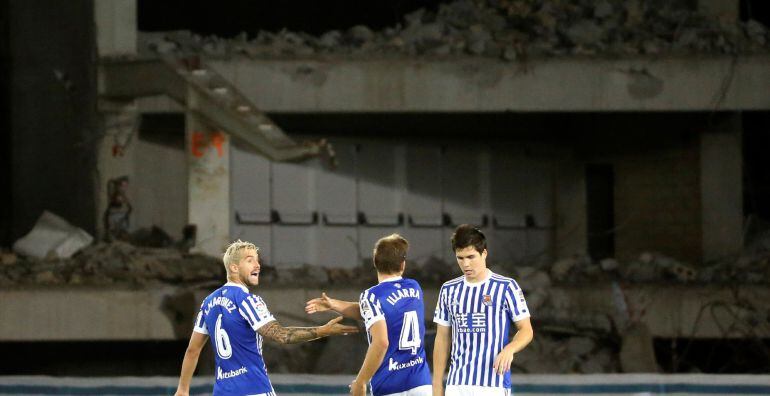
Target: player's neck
{"type": "Point", "coordinates": [480, 278]}
{"type": "Point", "coordinates": [234, 279]}
{"type": "Point", "coordinates": [383, 277]}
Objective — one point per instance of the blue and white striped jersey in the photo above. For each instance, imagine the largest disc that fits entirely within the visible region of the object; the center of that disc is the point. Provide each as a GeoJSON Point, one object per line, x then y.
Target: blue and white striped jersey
{"type": "Point", "coordinates": [231, 317]}
{"type": "Point", "coordinates": [480, 315]}
{"type": "Point", "coordinates": [399, 302]}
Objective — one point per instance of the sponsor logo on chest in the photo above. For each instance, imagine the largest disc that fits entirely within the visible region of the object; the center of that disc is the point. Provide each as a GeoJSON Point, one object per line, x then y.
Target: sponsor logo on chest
{"type": "Point", "coordinates": [471, 322]}
{"type": "Point", "coordinates": [231, 373]}
{"type": "Point", "coordinates": [394, 365]}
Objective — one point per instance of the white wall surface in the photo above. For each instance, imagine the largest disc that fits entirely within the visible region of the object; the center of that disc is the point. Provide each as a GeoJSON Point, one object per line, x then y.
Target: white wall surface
{"type": "Point", "coordinates": [332, 217]}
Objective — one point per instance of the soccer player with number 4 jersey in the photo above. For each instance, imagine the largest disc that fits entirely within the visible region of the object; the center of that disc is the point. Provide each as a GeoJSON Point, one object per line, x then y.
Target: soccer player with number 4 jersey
{"type": "Point", "coordinates": [237, 321]}
{"type": "Point", "coordinates": [393, 313]}
{"type": "Point", "coordinates": [478, 308]}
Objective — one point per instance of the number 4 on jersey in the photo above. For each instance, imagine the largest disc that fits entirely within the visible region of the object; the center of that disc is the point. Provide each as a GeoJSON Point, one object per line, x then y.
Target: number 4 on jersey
{"type": "Point", "coordinates": [410, 333]}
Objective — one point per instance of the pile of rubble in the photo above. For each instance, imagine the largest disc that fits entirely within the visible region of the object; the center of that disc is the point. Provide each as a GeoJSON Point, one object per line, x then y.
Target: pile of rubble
{"type": "Point", "coordinates": [649, 267]}
{"type": "Point", "coordinates": [110, 263]}
{"type": "Point", "coordinates": [121, 262]}
{"type": "Point", "coordinates": [506, 29]}
{"type": "Point", "coordinates": [554, 353]}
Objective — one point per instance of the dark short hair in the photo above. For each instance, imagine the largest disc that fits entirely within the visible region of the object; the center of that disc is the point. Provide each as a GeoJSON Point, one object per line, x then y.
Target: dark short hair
{"type": "Point", "coordinates": [467, 235]}
{"type": "Point", "coordinates": [389, 253]}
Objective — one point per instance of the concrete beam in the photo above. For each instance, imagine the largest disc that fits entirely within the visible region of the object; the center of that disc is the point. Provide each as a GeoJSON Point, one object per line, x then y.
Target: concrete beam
{"type": "Point", "coordinates": [71, 315]}
{"type": "Point", "coordinates": [200, 89]}
{"type": "Point", "coordinates": [694, 83]}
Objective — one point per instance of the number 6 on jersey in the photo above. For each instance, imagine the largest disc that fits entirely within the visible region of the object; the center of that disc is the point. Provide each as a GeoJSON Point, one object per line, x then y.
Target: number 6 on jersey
{"type": "Point", "coordinates": [410, 333]}
{"type": "Point", "coordinates": [224, 350]}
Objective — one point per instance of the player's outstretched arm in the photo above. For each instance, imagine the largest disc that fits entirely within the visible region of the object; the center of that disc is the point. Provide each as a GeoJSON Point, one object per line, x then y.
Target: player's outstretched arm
{"type": "Point", "coordinates": [294, 335]}
{"type": "Point", "coordinates": [374, 356]}
{"type": "Point", "coordinates": [521, 339]}
{"type": "Point", "coordinates": [440, 356]}
{"type": "Point", "coordinates": [348, 309]}
{"type": "Point", "coordinates": [197, 342]}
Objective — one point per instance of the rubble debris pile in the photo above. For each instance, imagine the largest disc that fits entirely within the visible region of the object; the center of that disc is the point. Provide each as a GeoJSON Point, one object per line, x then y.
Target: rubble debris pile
{"type": "Point", "coordinates": [121, 262]}
{"type": "Point", "coordinates": [505, 29]}
{"type": "Point", "coordinates": [551, 352]}
{"type": "Point", "coordinates": [111, 263]}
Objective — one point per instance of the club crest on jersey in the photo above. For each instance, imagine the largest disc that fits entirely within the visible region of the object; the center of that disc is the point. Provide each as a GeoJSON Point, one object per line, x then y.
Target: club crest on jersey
{"type": "Point", "coordinates": [397, 285]}
{"type": "Point", "coordinates": [486, 300]}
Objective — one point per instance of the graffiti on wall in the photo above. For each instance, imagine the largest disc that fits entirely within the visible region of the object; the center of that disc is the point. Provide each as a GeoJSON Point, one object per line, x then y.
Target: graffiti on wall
{"type": "Point", "coordinates": [200, 142]}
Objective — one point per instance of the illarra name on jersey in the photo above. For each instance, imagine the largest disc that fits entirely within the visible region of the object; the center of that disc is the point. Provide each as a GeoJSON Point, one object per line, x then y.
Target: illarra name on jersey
{"type": "Point", "coordinates": [399, 303]}
{"type": "Point", "coordinates": [402, 293]}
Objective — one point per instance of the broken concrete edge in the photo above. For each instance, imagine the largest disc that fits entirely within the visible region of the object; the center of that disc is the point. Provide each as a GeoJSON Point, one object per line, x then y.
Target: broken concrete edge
{"type": "Point", "coordinates": [509, 31]}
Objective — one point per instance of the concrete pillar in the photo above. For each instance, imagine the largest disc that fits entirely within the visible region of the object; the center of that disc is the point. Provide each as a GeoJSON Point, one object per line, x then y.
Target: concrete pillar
{"type": "Point", "coordinates": [208, 153]}
{"type": "Point", "coordinates": [727, 11]}
{"type": "Point", "coordinates": [721, 183]}
{"type": "Point", "coordinates": [116, 27]}
{"type": "Point", "coordinates": [571, 209]}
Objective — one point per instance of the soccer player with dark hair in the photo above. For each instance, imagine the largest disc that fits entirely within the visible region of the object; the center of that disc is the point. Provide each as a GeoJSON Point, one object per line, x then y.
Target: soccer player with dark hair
{"type": "Point", "coordinates": [393, 313]}
{"type": "Point", "coordinates": [478, 309]}
{"type": "Point", "coordinates": [237, 322]}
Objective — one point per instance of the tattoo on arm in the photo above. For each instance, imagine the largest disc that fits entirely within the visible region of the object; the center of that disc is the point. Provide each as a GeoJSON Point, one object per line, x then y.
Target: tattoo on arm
{"type": "Point", "coordinates": [288, 335]}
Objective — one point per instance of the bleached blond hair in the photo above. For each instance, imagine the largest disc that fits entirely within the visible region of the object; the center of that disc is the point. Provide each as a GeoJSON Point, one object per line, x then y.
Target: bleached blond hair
{"type": "Point", "coordinates": [233, 254]}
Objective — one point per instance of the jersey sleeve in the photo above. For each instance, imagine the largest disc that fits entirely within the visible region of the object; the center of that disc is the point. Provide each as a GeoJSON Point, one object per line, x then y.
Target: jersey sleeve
{"type": "Point", "coordinates": [371, 309]}
{"type": "Point", "coordinates": [200, 323]}
{"type": "Point", "coordinates": [255, 311]}
{"type": "Point", "coordinates": [442, 315]}
{"type": "Point", "coordinates": [515, 302]}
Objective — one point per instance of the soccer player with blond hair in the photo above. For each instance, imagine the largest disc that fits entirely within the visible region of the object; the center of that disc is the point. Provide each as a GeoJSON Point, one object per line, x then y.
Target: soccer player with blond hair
{"type": "Point", "coordinates": [237, 321]}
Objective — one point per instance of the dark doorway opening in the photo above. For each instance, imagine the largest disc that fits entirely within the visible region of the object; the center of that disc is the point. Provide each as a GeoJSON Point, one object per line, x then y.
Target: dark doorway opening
{"type": "Point", "coordinates": [600, 186]}
{"type": "Point", "coordinates": [756, 165]}
{"type": "Point", "coordinates": [6, 225]}
{"type": "Point", "coordinates": [756, 176]}
{"type": "Point", "coordinates": [758, 10]}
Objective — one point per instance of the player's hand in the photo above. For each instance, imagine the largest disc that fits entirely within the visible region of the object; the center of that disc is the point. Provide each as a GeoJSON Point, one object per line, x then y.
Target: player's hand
{"type": "Point", "coordinates": [503, 361]}
{"type": "Point", "coordinates": [357, 389]}
{"type": "Point", "coordinates": [334, 328]}
{"type": "Point", "coordinates": [320, 304]}
{"type": "Point", "coordinates": [180, 393]}
{"type": "Point", "coordinates": [438, 390]}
